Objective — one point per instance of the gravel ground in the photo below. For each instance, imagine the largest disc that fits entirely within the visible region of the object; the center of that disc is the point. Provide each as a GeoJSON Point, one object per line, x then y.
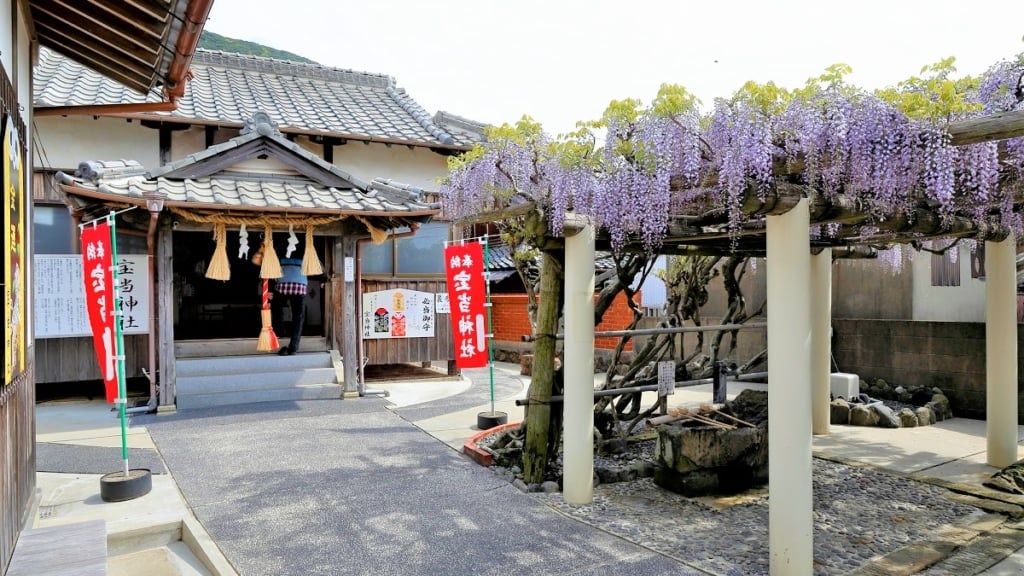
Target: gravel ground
{"type": "Point", "coordinates": [859, 514]}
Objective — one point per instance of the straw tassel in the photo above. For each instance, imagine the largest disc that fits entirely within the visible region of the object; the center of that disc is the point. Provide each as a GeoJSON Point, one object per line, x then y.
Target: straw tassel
{"type": "Point", "coordinates": [219, 268]}
{"type": "Point", "coordinates": [271, 267]}
{"type": "Point", "coordinates": [310, 259]}
{"type": "Point", "coordinates": [268, 340]}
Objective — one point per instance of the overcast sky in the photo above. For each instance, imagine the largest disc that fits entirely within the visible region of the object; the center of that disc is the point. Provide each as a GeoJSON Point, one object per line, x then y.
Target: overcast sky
{"type": "Point", "coordinates": [561, 61]}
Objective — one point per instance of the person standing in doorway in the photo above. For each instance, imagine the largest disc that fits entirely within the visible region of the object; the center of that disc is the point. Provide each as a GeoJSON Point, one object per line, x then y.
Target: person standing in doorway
{"type": "Point", "coordinates": [290, 290]}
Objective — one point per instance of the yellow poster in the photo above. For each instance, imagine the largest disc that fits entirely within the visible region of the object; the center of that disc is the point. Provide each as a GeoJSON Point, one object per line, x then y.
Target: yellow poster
{"type": "Point", "coordinates": [16, 253]}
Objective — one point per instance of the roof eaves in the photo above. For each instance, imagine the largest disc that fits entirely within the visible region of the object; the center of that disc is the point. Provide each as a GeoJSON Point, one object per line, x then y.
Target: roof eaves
{"type": "Point", "coordinates": [419, 114]}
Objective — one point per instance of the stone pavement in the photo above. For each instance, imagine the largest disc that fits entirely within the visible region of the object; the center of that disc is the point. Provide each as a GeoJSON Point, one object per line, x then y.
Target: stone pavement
{"type": "Point", "coordinates": [355, 487]}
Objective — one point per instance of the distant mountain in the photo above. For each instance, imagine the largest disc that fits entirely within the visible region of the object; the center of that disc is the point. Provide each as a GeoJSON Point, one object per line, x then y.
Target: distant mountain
{"type": "Point", "coordinates": [211, 41]}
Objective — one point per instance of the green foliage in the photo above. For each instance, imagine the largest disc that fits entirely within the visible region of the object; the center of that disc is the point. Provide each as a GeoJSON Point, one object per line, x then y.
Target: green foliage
{"type": "Point", "coordinates": [212, 41]}
{"type": "Point", "coordinates": [934, 95]}
{"type": "Point", "coordinates": [673, 100]}
{"type": "Point", "coordinates": [768, 98]}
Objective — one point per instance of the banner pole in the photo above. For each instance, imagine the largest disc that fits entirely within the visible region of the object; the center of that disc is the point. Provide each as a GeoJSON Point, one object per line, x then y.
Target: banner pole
{"type": "Point", "coordinates": [490, 335]}
{"type": "Point", "coordinates": [122, 391]}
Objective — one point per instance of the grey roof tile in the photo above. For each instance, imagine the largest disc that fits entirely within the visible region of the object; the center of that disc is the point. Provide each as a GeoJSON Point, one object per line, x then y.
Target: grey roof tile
{"type": "Point", "coordinates": [229, 88]}
{"type": "Point", "coordinates": [263, 193]}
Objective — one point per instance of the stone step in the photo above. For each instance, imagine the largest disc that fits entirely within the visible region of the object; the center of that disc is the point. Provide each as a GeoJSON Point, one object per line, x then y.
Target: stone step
{"type": "Point", "coordinates": [252, 381]}
{"type": "Point", "coordinates": [301, 392]}
{"type": "Point", "coordinates": [237, 347]}
{"type": "Point", "coordinates": [251, 364]}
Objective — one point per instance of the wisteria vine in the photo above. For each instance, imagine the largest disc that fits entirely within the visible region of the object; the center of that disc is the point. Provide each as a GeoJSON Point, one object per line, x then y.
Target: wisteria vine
{"type": "Point", "coordinates": [637, 166]}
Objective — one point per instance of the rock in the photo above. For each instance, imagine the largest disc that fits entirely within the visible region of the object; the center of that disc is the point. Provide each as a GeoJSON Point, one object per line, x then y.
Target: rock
{"type": "Point", "coordinates": [886, 417]}
{"type": "Point", "coordinates": [549, 487]}
{"type": "Point", "coordinates": [614, 446]}
{"type": "Point", "coordinates": [839, 412]}
{"type": "Point", "coordinates": [925, 416]}
{"type": "Point", "coordinates": [920, 396]}
{"type": "Point", "coordinates": [750, 405]}
{"type": "Point", "coordinates": [518, 483]}
{"type": "Point", "coordinates": [902, 394]}
{"type": "Point", "coordinates": [1009, 479]}
{"type": "Point", "coordinates": [943, 401]}
{"type": "Point", "coordinates": [861, 415]}
{"type": "Point", "coordinates": [908, 419]}
{"type": "Point", "coordinates": [606, 475]}
{"type": "Point", "coordinates": [882, 388]}
{"type": "Point", "coordinates": [936, 408]}
{"type": "Point", "coordinates": [526, 364]}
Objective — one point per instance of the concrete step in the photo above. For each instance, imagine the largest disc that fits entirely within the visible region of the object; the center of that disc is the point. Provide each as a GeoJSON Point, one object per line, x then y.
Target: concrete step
{"type": "Point", "coordinates": [256, 380]}
{"type": "Point", "coordinates": [252, 364]}
{"type": "Point", "coordinates": [237, 347]}
{"type": "Point", "coordinates": [301, 392]}
{"type": "Point", "coordinates": [225, 380]}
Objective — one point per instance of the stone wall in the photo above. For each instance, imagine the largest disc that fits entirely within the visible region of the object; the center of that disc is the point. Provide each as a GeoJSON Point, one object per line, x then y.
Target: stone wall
{"type": "Point", "coordinates": [949, 355]}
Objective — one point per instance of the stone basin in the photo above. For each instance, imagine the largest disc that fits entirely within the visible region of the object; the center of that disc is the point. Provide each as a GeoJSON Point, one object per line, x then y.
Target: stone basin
{"type": "Point", "coordinates": [699, 459]}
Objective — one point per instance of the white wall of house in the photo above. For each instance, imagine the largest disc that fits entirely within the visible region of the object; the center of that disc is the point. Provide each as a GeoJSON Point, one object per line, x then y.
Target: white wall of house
{"type": "Point", "coordinates": [69, 140]}
{"type": "Point", "coordinates": [963, 303]}
{"type": "Point", "coordinates": [417, 167]}
{"type": "Point", "coordinates": [7, 34]}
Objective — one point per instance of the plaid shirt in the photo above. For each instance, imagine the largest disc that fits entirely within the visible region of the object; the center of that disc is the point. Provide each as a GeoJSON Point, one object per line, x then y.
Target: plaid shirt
{"type": "Point", "coordinates": [290, 289]}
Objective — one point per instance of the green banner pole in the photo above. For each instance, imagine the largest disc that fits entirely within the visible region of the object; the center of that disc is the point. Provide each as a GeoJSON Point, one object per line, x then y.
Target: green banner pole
{"type": "Point", "coordinates": [490, 336]}
{"type": "Point", "coordinates": [122, 389]}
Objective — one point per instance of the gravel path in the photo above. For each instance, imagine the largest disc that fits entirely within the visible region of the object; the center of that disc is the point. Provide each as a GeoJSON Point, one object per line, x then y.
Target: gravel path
{"type": "Point", "coordinates": [859, 514]}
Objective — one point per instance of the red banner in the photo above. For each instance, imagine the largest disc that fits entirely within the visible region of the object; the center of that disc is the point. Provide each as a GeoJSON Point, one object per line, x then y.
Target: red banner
{"type": "Point", "coordinates": [467, 293]}
{"type": "Point", "coordinates": [99, 300]}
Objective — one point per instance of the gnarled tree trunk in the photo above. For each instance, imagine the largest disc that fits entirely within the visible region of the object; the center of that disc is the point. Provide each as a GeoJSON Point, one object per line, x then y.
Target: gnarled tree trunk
{"type": "Point", "coordinates": [536, 448]}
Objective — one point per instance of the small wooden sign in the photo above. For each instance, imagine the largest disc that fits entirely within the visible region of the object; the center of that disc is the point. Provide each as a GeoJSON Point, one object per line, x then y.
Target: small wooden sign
{"type": "Point", "coordinates": [666, 378]}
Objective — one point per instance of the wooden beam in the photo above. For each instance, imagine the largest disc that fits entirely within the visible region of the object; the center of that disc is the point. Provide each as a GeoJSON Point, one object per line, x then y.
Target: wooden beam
{"type": "Point", "coordinates": [987, 128]}
{"type": "Point", "coordinates": [495, 215]}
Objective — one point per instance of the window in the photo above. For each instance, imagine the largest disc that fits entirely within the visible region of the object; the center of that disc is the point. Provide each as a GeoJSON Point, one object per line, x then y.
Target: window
{"type": "Point", "coordinates": [945, 271]}
{"type": "Point", "coordinates": [419, 254]}
{"type": "Point", "coordinates": [52, 230]}
{"type": "Point", "coordinates": [978, 261]}
{"type": "Point", "coordinates": [423, 253]}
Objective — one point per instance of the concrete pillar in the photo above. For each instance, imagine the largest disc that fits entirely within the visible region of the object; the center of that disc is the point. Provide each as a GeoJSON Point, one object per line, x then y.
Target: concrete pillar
{"type": "Point", "coordinates": [821, 339]}
{"type": "Point", "coordinates": [1001, 351]}
{"type": "Point", "coordinates": [578, 402]}
{"type": "Point", "coordinates": [790, 513]}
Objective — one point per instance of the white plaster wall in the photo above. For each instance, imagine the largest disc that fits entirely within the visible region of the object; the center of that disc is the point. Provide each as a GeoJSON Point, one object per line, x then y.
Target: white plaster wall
{"type": "Point", "coordinates": [185, 142]}
{"type": "Point", "coordinates": [7, 34]}
{"type": "Point", "coordinates": [417, 167]}
{"type": "Point", "coordinates": [963, 303]}
{"type": "Point", "coordinates": [69, 140]}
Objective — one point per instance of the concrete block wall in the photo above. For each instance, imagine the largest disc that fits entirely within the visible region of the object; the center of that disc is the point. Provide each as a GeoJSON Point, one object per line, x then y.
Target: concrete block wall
{"type": "Point", "coordinates": [949, 355]}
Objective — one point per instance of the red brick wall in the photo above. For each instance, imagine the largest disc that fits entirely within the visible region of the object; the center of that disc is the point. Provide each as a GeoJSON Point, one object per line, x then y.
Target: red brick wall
{"type": "Point", "coordinates": [510, 321]}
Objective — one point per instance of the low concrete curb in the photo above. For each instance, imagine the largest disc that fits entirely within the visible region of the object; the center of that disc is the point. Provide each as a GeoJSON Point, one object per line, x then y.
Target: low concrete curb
{"type": "Point", "coordinates": [479, 456]}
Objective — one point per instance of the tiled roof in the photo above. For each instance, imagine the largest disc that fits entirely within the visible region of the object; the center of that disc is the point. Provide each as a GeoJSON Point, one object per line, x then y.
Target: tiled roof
{"type": "Point", "coordinates": [128, 179]}
{"type": "Point", "coordinates": [228, 88]}
{"type": "Point", "coordinates": [500, 258]}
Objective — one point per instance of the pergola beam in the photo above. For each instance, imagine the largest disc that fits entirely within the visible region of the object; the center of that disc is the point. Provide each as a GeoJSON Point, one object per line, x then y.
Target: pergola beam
{"type": "Point", "coordinates": [987, 128]}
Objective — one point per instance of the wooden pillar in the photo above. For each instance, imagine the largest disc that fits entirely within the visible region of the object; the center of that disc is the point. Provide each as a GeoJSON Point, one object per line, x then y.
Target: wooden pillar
{"type": "Point", "coordinates": [578, 402]}
{"type": "Point", "coordinates": [350, 324]}
{"type": "Point", "coordinates": [1001, 351]}
{"type": "Point", "coordinates": [165, 311]}
{"type": "Point", "coordinates": [790, 512]}
{"type": "Point", "coordinates": [821, 339]}
{"type": "Point", "coordinates": [165, 143]}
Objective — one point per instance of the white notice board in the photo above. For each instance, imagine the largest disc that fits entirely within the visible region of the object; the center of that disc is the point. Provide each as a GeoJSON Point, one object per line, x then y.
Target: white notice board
{"type": "Point", "coordinates": [60, 295]}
